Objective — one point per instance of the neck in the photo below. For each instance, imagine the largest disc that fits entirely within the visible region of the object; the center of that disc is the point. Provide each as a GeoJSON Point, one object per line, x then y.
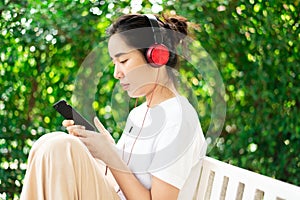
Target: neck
{"type": "Point", "coordinates": [158, 95]}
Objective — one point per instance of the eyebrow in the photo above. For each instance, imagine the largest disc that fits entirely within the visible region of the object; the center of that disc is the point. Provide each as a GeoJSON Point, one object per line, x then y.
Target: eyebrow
{"type": "Point", "coordinates": [118, 55]}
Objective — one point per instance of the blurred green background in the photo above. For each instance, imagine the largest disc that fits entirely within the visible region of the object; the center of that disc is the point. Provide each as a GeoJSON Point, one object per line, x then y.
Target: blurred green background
{"type": "Point", "coordinates": [254, 43]}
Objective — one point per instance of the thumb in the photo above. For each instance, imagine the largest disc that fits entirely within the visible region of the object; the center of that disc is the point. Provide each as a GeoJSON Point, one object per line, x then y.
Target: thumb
{"type": "Point", "coordinates": [99, 125]}
{"type": "Point", "coordinates": [102, 129]}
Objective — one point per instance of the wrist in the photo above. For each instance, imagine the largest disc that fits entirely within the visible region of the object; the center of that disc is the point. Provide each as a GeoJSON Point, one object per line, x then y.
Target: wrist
{"type": "Point", "coordinates": [113, 160]}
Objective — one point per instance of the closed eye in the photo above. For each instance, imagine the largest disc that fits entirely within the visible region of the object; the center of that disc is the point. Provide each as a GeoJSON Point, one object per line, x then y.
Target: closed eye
{"type": "Point", "coordinates": [123, 61]}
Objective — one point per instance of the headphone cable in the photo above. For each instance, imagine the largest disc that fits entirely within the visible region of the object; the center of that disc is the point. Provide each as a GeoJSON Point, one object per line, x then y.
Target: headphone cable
{"type": "Point", "coordinates": [139, 133]}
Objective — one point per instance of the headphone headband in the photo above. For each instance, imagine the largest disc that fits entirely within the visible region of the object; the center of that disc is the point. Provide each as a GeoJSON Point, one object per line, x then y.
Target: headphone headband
{"type": "Point", "coordinates": [155, 28]}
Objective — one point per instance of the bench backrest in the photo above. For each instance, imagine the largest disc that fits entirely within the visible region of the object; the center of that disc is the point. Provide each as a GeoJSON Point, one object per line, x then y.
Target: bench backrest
{"type": "Point", "coordinates": [222, 181]}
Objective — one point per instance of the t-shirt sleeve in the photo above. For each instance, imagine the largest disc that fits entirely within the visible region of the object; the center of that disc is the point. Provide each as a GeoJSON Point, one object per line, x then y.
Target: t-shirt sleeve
{"type": "Point", "coordinates": [177, 173]}
{"type": "Point", "coordinates": [176, 152]}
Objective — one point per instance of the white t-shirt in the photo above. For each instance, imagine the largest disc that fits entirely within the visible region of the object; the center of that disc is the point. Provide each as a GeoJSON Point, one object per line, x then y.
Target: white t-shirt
{"type": "Point", "coordinates": [169, 145]}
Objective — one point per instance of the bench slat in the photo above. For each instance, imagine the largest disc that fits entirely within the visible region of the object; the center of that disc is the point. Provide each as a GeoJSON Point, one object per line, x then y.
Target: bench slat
{"type": "Point", "coordinates": [249, 192]}
{"type": "Point", "coordinates": [204, 181]}
{"type": "Point", "coordinates": [217, 185]}
{"type": "Point", "coordinates": [251, 185]}
{"type": "Point", "coordinates": [232, 189]}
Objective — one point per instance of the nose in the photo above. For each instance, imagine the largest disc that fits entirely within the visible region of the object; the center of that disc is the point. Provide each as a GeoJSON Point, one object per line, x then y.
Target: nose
{"type": "Point", "coordinates": [118, 73]}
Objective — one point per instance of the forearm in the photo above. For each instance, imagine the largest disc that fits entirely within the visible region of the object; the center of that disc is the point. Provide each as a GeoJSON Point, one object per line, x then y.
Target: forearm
{"type": "Point", "coordinates": [130, 185]}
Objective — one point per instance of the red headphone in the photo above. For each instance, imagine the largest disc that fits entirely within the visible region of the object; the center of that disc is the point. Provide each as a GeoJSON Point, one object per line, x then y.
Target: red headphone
{"type": "Point", "coordinates": [157, 54]}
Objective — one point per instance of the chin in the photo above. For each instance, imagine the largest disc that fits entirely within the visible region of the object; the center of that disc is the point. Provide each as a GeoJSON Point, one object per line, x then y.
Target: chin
{"type": "Point", "coordinates": [135, 94]}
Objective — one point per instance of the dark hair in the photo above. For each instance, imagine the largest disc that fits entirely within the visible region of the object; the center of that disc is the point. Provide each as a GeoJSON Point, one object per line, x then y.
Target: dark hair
{"type": "Point", "coordinates": [173, 30]}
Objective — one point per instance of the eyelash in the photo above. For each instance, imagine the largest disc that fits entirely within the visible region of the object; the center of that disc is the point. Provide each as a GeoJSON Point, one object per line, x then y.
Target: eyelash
{"type": "Point", "coordinates": [123, 61]}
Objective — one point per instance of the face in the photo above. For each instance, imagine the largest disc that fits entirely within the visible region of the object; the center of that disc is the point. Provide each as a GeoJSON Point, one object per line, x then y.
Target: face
{"type": "Point", "coordinates": [131, 69]}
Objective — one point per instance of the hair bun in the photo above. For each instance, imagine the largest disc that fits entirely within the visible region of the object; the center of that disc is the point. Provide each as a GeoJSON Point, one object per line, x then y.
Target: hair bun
{"type": "Point", "coordinates": [178, 24]}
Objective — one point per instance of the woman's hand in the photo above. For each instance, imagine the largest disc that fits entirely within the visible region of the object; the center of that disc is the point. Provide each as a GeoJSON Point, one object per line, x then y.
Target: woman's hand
{"type": "Point", "coordinates": [97, 143]}
{"type": "Point", "coordinates": [70, 126]}
{"type": "Point", "coordinates": [101, 145]}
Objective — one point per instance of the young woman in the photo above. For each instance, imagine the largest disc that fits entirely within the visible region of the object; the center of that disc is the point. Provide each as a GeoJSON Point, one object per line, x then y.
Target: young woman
{"type": "Point", "coordinates": [159, 153]}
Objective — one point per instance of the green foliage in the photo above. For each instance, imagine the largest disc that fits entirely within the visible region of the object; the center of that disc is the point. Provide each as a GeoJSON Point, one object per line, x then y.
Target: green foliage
{"type": "Point", "coordinates": [255, 44]}
{"type": "Point", "coordinates": [256, 47]}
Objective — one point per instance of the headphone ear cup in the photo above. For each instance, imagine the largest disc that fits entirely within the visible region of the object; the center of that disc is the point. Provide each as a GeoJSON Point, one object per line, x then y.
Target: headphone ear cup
{"type": "Point", "coordinates": [158, 55]}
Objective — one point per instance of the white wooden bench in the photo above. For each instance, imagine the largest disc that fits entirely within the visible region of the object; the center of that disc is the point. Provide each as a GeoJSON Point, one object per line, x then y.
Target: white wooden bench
{"type": "Point", "coordinates": [222, 181]}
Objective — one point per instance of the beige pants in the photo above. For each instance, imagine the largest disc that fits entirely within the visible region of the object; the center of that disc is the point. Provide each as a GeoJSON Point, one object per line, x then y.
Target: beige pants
{"type": "Point", "coordinates": [60, 167]}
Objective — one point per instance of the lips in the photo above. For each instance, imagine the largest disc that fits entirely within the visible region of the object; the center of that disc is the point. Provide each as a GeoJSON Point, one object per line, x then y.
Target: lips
{"type": "Point", "coordinates": [125, 86]}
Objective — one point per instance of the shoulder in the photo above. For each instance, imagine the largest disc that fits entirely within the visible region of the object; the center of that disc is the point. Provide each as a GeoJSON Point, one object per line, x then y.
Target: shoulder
{"type": "Point", "coordinates": [181, 125]}
{"type": "Point", "coordinates": [179, 109]}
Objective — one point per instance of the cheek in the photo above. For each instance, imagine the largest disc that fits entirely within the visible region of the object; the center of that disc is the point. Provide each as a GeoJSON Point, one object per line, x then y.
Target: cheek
{"type": "Point", "coordinates": [142, 75]}
{"type": "Point", "coordinates": [135, 64]}
{"type": "Point", "coordinates": [141, 80]}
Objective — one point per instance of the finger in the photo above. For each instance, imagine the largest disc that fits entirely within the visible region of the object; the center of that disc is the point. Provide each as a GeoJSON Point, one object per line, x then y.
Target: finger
{"type": "Point", "coordinates": [80, 132]}
{"type": "Point", "coordinates": [68, 122]}
{"type": "Point", "coordinates": [102, 129]}
{"type": "Point", "coordinates": [72, 127]}
{"type": "Point", "coordinates": [99, 126]}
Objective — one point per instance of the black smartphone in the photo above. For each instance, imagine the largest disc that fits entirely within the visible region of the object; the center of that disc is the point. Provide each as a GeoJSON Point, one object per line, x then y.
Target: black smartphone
{"type": "Point", "coordinates": [68, 112]}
